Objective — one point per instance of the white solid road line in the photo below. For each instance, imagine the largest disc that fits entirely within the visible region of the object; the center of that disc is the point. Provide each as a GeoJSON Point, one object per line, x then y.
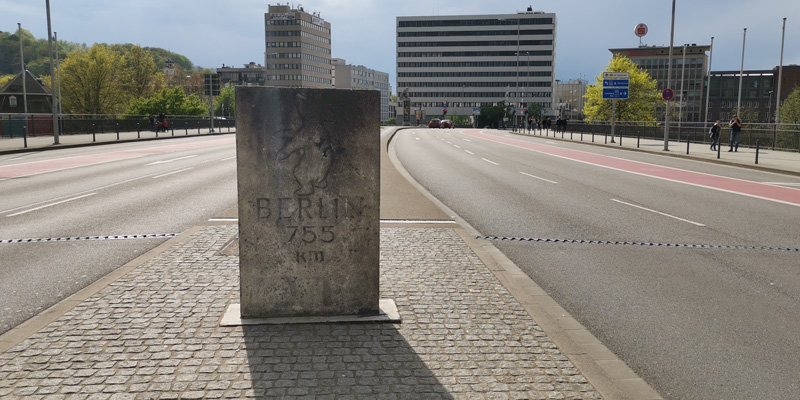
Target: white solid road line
{"type": "Point", "coordinates": [658, 212]}
{"type": "Point", "coordinates": [170, 173]}
{"type": "Point", "coordinates": [537, 177]}
{"type": "Point", "coordinates": [172, 160]}
{"type": "Point", "coordinates": [50, 205]}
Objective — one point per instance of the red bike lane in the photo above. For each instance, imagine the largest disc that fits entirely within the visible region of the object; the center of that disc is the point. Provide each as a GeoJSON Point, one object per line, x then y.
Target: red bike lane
{"type": "Point", "coordinates": [44, 166]}
{"type": "Point", "coordinates": [737, 186]}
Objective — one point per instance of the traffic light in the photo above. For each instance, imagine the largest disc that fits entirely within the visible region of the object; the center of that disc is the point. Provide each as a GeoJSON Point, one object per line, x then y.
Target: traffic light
{"type": "Point", "coordinates": [526, 111]}
{"type": "Point", "coordinates": [444, 112]}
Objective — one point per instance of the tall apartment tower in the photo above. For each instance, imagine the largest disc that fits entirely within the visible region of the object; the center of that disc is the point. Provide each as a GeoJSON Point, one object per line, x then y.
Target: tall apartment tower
{"type": "Point", "coordinates": [466, 61]}
{"type": "Point", "coordinates": [298, 48]}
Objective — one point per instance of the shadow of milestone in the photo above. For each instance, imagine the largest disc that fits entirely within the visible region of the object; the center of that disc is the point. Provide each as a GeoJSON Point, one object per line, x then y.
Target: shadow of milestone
{"type": "Point", "coordinates": [360, 360]}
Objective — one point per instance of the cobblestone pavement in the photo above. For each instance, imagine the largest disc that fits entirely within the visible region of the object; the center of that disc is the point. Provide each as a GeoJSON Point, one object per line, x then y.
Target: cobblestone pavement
{"type": "Point", "coordinates": [155, 334]}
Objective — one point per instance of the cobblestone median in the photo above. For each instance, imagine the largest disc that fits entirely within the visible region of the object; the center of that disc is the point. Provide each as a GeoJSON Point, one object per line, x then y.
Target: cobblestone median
{"type": "Point", "coordinates": [155, 334]}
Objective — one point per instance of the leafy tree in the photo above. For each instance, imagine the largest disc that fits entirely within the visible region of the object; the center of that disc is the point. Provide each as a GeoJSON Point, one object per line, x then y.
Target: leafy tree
{"type": "Point", "coordinates": [139, 77]}
{"type": "Point", "coordinates": [90, 81]}
{"type": "Point", "coordinates": [225, 103]}
{"type": "Point", "coordinates": [4, 79]}
{"type": "Point", "coordinates": [491, 115]}
{"type": "Point", "coordinates": [171, 101]}
{"type": "Point", "coordinates": [643, 95]}
{"type": "Point", "coordinates": [790, 108]}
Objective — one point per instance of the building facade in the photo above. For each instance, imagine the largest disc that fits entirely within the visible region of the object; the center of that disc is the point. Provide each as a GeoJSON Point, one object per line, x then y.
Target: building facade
{"type": "Point", "coordinates": [759, 93]}
{"type": "Point", "coordinates": [348, 76]}
{"type": "Point", "coordinates": [251, 74]}
{"type": "Point", "coordinates": [463, 62]}
{"type": "Point", "coordinates": [569, 99]}
{"type": "Point", "coordinates": [689, 66]}
{"type": "Point", "coordinates": [298, 48]}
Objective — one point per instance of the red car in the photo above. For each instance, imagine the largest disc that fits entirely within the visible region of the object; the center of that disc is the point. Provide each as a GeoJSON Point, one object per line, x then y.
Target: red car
{"type": "Point", "coordinates": [435, 123]}
{"type": "Point", "coordinates": [446, 123]}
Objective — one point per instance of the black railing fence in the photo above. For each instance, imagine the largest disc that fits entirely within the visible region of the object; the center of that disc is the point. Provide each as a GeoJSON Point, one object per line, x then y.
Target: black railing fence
{"type": "Point", "coordinates": [784, 137]}
{"type": "Point", "coordinates": [33, 125]}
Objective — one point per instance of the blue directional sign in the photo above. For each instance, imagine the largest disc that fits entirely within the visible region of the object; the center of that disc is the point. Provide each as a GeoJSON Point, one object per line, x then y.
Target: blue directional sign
{"type": "Point", "coordinates": [616, 83]}
{"type": "Point", "coordinates": [615, 93]}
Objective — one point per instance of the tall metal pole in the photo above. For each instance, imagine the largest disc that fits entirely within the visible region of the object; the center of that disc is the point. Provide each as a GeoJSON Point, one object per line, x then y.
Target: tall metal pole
{"type": "Point", "coordinates": [708, 80]}
{"type": "Point", "coordinates": [680, 105]}
{"type": "Point", "coordinates": [24, 75]}
{"type": "Point", "coordinates": [58, 73]}
{"type": "Point", "coordinates": [516, 116]}
{"type": "Point", "coordinates": [669, 77]}
{"type": "Point", "coordinates": [780, 75]}
{"type": "Point", "coordinates": [52, 75]}
{"type": "Point", "coordinates": [741, 77]}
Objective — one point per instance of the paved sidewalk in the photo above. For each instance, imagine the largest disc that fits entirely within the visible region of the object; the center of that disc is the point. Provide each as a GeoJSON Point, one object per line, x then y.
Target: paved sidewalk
{"type": "Point", "coordinates": [35, 143]}
{"type": "Point", "coordinates": [154, 334]}
{"type": "Point", "coordinates": [768, 160]}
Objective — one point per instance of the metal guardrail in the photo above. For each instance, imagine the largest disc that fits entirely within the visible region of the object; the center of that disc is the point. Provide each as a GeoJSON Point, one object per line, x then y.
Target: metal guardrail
{"type": "Point", "coordinates": [785, 137]}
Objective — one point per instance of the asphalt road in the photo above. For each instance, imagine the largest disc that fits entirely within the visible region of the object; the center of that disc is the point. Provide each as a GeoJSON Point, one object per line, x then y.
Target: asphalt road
{"type": "Point", "coordinates": [155, 188]}
{"type": "Point", "coordinates": [692, 302]}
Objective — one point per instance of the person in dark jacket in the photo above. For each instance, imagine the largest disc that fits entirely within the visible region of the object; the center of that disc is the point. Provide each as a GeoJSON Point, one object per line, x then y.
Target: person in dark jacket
{"type": "Point", "coordinates": [714, 135]}
{"type": "Point", "coordinates": [736, 132]}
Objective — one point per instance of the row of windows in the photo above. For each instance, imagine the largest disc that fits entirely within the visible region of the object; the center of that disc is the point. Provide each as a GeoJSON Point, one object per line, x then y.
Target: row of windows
{"type": "Point", "coordinates": [480, 74]}
{"type": "Point", "coordinates": [664, 62]}
{"type": "Point", "coordinates": [477, 33]}
{"type": "Point", "coordinates": [304, 56]}
{"type": "Point", "coordinates": [478, 84]}
{"type": "Point", "coordinates": [304, 45]}
{"type": "Point", "coordinates": [304, 67]}
{"type": "Point", "coordinates": [298, 33]}
{"type": "Point", "coordinates": [479, 94]}
{"type": "Point", "coordinates": [305, 78]}
{"type": "Point", "coordinates": [296, 22]}
{"type": "Point", "coordinates": [419, 104]}
{"type": "Point", "coordinates": [473, 53]}
{"type": "Point", "coordinates": [475, 64]}
{"type": "Point", "coordinates": [475, 22]}
{"type": "Point", "coordinates": [478, 44]}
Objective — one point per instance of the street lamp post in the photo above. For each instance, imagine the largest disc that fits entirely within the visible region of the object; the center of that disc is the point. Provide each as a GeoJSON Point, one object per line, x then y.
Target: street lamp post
{"type": "Point", "coordinates": [741, 76]}
{"type": "Point", "coordinates": [778, 95]}
{"type": "Point", "coordinates": [53, 99]}
{"type": "Point", "coordinates": [669, 76]}
{"type": "Point", "coordinates": [708, 77]}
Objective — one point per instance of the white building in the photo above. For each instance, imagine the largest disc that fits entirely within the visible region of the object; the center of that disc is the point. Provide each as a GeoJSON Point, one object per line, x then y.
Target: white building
{"type": "Point", "coordinates": [347, 76]}
{"type": "Point", "coordinates": [466, 61]}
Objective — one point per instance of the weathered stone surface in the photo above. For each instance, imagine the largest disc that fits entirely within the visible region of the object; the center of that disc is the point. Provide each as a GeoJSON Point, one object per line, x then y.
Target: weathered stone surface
{"type": "Point", "coordinates": [309, 199]}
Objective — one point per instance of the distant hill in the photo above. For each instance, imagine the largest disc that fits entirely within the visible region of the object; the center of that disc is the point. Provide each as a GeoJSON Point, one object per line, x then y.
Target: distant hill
{"type": "Point", "coordinates": [37, 57]}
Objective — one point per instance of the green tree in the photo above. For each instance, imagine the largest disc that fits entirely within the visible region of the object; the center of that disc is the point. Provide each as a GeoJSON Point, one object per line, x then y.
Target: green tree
{"type": "Point", "coordinates": [225, 103]}
{"type": "Point", "coordinates": [171, 101]}
{"type": "Point", "coordinates": [139, 71]}
{"type": "Point", "coordinates": [790, 108]}
{"type": "Point", "coordinates": [491, 115]}
{"type": "Point", "coordinates": [90, 81]}
{"type": "Point", "coordinates": [641, 103]}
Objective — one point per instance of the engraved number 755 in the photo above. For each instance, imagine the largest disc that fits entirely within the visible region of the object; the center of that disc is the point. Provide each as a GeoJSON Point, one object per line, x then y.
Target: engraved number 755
{"type": "Point", "coordinates": [310, 234]}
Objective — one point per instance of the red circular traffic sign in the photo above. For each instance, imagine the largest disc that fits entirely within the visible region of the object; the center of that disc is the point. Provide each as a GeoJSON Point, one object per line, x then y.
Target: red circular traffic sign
{"type": "Point", "coordinates": [667, 94]}
{"type": "Point", "coordinates": [640, 30]}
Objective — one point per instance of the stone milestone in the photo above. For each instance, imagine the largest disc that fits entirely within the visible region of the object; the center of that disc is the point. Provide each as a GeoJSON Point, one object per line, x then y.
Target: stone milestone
{"type": "Point", "coordinates": [309, 193]}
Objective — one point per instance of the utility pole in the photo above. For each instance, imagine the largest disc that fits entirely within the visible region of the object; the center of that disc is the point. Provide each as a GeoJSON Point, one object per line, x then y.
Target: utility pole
{"type": "Point", "coordinates": [52, 76]}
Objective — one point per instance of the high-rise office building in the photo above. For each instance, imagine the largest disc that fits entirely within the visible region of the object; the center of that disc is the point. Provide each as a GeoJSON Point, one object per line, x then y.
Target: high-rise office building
{"type": "Point", "coordinates": [463, 62]}
{"type": "Point", "coordinates": [298, 48]}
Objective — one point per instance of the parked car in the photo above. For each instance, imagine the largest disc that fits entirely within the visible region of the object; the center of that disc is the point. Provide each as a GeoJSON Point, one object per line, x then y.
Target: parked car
{"type": "Point", "coordinates": [435, 123]}
{"type": "Point", "coordinates": [446, 123]}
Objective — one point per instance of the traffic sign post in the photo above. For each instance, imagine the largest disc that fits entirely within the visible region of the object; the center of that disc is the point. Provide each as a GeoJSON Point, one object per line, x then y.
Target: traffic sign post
{"type": "Point", "coordinates": [615, 86]}
{"type": "Point", "coordinates": [667, 94]}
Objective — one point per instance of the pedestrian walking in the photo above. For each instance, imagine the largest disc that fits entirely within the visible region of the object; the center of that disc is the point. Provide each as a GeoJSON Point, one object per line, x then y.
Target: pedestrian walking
{"type": "Point", "coordinates": [714, 131]}
{"type": "Point", "coordinates": [736, 132]}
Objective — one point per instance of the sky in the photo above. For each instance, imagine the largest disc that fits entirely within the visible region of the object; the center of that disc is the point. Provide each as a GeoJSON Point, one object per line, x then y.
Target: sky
{"type": "Point", "coordinates": [212, 33]}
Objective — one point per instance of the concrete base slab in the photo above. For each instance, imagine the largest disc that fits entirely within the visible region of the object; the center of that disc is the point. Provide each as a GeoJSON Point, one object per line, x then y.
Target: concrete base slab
{"type": "Point", "coordinates": [388, 313]}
